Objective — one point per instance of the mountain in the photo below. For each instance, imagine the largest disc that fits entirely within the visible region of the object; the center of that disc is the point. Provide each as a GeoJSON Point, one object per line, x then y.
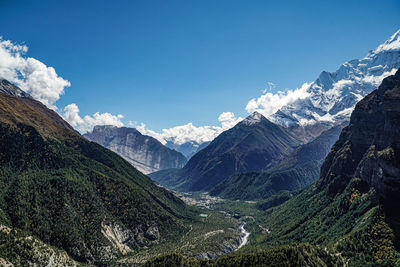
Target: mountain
{"type": "Point", "coordinates": [202, 145]}
{"type": "Point", "coordinates": [144, 152]}
{"type": "Point", "coordinates": [353, 209]}
{"type": "Point", "coordinates": [252, 145]}
{"type": "Point", "coordinates": [295, 172]}
{"type": "Point", "coordinates": [188, 148]}
{"type": "Point", "coordinates": [331, 98]}
{"type": "Point", "coordinates": [58, 189]}
{"type": "Point", "coordinates": [10, 89]}
{"type": "Point", "coordinates": [350, 216]}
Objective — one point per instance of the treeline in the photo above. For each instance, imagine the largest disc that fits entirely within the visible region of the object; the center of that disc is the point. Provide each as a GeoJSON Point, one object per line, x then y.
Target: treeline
{"type": "Point", "coordinates": [289, 255]}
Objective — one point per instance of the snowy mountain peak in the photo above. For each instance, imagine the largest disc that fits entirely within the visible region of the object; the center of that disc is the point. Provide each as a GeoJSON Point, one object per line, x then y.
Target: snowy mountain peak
{"type": "Point", "coordinates": [333, 95]}
{"type": "Point", "coordinates": [254, 118]}
{"type": "Point", "coordinates": [395, 36]}
{"type": "Point", "coordinates": [393, 43]}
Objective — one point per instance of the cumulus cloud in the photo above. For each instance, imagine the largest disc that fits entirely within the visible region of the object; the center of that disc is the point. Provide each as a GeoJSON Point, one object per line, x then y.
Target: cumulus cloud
{"type": "Point", "coordinates": [269, 103]}
{"type": "Point", "coordinates": [86, 124]}
{"type": "Point", "coordinates": [43, 83]}
{"type": "Point", "coordinates": [191, 133]}
{"type": "Point", "coordinates": [31, 75]}
{"type": "Point", "coordinates": [228, 120]}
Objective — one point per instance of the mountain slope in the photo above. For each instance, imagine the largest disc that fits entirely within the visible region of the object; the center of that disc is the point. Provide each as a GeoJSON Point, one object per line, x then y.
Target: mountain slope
{"type": "Point", "coordinates": [144, 152]}
{"type": "Point", "coordinates": [188, 149]}
{"type": "Point", "coordinates": [332, 97]}
{"type": "Point", "coordinates": [295, 172]}
{"type": "Point", "coordinates": [252, 145]}
{"type": "Point", "coordinates": [353, 208]}
{"type": "Point", "coordinates": [74, 194]}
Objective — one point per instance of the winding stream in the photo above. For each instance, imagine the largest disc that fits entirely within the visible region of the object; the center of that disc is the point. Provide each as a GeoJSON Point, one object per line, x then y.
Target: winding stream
{"type": "Point", "coordinates": [245, 236]}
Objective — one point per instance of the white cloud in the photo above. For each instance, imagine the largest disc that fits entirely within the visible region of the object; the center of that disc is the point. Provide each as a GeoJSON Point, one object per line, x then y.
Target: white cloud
{"type": "Point", "coordinates": [189, 132]}
{"type": "Point", "coordinates": [228, 120]}
{"type": "Point", "coordinates": [71, 115]}
{"type": "Point", "coordinates": [43, 84]}
{"type": "Point", "coordinates": [85, 124]}
{"type": "Point", "coordinates": [31, 75]}
{"type": "Point", "coordinates": [269, 103]}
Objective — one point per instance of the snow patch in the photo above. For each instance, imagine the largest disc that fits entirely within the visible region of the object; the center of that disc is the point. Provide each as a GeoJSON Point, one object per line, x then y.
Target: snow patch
{"type": "Point", "coordinates": [253, 118]}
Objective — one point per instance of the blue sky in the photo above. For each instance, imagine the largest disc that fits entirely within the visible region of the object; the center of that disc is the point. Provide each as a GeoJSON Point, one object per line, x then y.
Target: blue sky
{"type": "Point", "coordinates": [167, 63]}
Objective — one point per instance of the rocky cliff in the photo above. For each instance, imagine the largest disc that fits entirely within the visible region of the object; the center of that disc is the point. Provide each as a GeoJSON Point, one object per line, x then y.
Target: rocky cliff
{"type": "Point", "coordinates": [369, 147]}
{"type": "Point", "coordinates": [144, 152]}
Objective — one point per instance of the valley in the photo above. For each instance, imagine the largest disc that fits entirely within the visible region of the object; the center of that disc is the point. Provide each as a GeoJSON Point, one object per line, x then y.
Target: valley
{"type": "Point", "coordinates": [304, 176]}
{"type": "Point", "coordinates": [216, 231]}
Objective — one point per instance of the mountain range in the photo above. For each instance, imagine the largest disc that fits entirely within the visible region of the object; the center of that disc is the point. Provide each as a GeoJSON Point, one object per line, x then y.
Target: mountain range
{"type": "Point", "coordinates": [331, 98]}
{"type": "Point", "coordinates": [316, 118]}
{"type": "Point", "coordinates": [144, 152]}
{"type": "Point", "coordinates": [353, 208]}
{"type": "Point", "coordinates": [296, 171]}
{"type": "Point", "coordinates": [188, 149]}
{"type": "Point", "coordinates": [252, 145]}
{"type": "Point", "coordinates": [60, 192]}
{"type": "Point", "coordinates": [350, 215]}
{"type": "Point", "coordinates": [324, 170]}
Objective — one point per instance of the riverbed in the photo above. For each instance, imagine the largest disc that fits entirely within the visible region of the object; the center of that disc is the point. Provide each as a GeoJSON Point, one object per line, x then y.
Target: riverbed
{"type": "Point", "coordinates": [244, 236]}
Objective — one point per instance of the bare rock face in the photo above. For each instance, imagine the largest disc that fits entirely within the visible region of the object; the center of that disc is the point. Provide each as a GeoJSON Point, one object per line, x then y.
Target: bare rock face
{"type": "Point", "coordinates": [123, 239]}
{"type": "Point", "coordinates": [369, 148]}
{"type": "Point", "coordinates": [144, 152]}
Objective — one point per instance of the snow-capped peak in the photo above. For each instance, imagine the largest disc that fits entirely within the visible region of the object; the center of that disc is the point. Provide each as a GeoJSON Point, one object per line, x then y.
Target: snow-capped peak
{"type": "Point", "coordinates": [332, 96]}
{"type": "Point", "coordinates": [254, 118]}
{"type": "Point", "coordinates": [393, 43]}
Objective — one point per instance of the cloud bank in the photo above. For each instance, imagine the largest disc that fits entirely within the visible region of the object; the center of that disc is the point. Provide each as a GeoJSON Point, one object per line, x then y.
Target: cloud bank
{"type": "Point", "coordinates": [31, 75]}
{"type": "Point", "coordinates": [43, 83]}
{"type": "Point", "coordinates": [86, 124]}
{"type": "Point", "coordinates": [269, 103]}
{"type": "Point", "coordinates": [191, 133]}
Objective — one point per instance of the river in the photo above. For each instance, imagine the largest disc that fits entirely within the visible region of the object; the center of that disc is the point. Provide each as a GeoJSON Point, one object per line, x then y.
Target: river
{"type": "Point", "coordinates": [244, 237]}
